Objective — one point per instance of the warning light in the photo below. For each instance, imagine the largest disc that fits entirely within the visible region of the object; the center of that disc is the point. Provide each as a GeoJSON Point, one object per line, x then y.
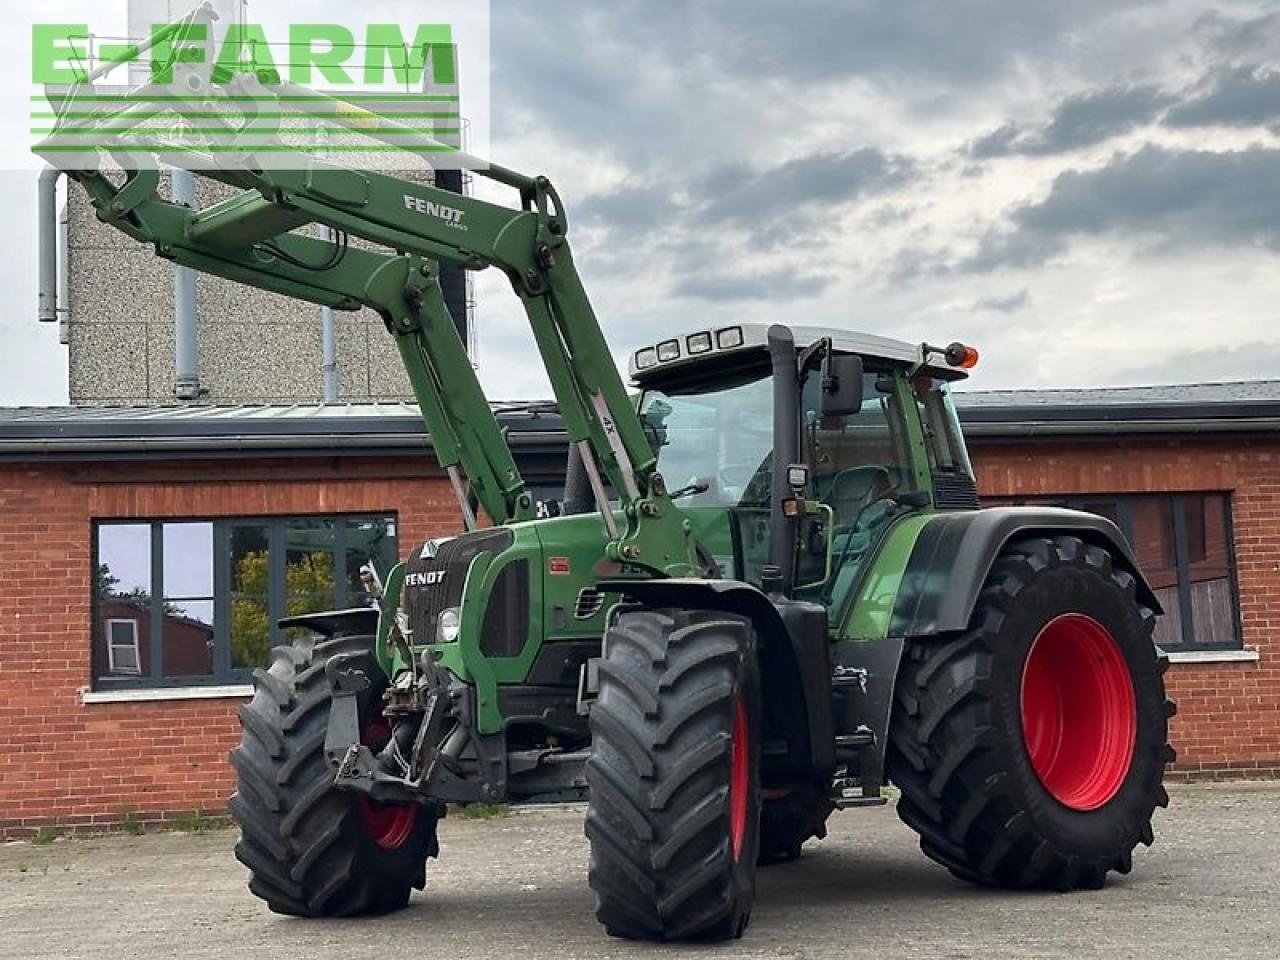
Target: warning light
{"type": "Point", "coordinates": [961, 355]}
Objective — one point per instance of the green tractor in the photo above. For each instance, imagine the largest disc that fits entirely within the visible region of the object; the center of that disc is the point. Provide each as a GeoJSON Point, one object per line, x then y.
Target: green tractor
{"type": "Point", "coordinates": [767, 594]}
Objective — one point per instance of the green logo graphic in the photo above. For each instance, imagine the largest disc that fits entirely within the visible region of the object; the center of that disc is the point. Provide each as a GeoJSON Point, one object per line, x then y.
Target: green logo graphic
{"type": "Point", "coordinates": [208, 89]}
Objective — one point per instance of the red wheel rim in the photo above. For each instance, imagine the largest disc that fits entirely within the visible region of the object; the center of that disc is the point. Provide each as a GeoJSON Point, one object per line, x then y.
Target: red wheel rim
{"type": "Point", "coordinates": [1079, 718]}
{"type": "Point", "coordinates": [739, 779]}
{"type": "Point", "coordinates": [388, 825]}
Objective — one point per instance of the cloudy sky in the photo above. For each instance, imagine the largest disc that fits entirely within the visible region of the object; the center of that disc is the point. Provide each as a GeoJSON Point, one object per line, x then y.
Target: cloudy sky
{"type": "Point", "coordinates": [1088, 191]}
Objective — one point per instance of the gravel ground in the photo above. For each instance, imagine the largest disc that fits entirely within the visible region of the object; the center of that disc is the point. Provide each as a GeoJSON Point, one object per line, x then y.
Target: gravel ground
{"type": "Point", "coordinates": [517, 887]}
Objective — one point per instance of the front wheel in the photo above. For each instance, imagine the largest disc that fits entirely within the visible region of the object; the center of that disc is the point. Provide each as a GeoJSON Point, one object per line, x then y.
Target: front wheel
{"type": "Point", "coordinates": [674, 810]}
{"type": "Point", "coordinates": [312, 849]}
{"type": "Point", "coordinates": [1030, 749]}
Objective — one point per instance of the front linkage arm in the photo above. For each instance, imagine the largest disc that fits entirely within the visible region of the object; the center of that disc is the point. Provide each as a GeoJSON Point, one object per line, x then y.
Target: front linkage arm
{"type": "Point", "coordinates": [250, 239]}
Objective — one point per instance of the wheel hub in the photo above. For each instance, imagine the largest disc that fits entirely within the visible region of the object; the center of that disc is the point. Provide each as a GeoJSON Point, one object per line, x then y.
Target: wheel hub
{"type": "Point", "coordinates": [1079, 718]}
{"type": "Point", "coordinates": [388, 825]}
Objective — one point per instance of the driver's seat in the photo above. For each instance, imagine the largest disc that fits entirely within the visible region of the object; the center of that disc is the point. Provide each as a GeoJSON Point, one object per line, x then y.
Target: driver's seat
{"type": "Point", "coordinates": [851, 490]}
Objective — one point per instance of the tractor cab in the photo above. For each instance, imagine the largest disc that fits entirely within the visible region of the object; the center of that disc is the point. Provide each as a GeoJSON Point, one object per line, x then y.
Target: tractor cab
{"type": "Point", "coordinates": [856, 431]}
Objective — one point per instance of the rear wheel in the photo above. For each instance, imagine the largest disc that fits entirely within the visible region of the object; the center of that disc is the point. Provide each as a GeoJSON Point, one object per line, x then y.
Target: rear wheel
{"type": "Point", "coordinates": [674, 809]}
{"type": "Point", "coordinates": [312, 849]}
{"type": "Point", "coordinates": [1030, 749]}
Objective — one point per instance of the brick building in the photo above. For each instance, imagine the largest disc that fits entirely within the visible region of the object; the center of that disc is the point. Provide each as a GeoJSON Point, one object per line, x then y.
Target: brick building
{"type": "Point", "coordinates": [213, 522]}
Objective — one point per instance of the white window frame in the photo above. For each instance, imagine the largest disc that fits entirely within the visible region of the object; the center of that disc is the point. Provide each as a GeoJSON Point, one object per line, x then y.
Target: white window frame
{"type": "Point", "coordinates": [112, 645]}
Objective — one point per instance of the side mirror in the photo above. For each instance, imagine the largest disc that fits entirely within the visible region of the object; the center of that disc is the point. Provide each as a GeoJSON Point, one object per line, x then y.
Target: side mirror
{"type": "Point", "coordinates": [841, 385]}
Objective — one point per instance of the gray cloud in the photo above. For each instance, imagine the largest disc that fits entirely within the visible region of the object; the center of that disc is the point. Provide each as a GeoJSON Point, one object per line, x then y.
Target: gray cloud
{"type": "Point", "coordinates": [1077, 121]}
{"type": "Point", "coordinates": [1009, 303]}
{"type": "Point", "coordinates": [628, 208]}
{"type": "Point", "coordinates": [1212, 364]}
{"type": "Point", "coordinates": [771, 286]}
{"type": "Point", "coordinates": [803, 40]}
{"type": "Point", "coordinates": [1235, 35]}
{"type": "Point", "coordinates": [765, 206]}
{"type": "Point", "coordinates": [740, 195]}
{"type": "Point", "coordinates": [1238, 96]}
{"type": "Point", "coordinates": [1180, 200]}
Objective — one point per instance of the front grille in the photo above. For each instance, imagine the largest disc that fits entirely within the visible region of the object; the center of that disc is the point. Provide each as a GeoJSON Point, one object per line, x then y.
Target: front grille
{"type": "Point", "coordinates": [506, 618]}
{"type": "Point", "coordinates": [434, 583]}
{"type": "Point", "coordinates": [954, 493]}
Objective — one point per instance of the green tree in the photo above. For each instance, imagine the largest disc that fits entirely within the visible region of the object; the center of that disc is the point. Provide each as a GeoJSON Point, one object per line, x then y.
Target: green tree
{"type": "Point", "coordinates": [309, 586]}
{"type": "Point", "coordinates": [106, 584]}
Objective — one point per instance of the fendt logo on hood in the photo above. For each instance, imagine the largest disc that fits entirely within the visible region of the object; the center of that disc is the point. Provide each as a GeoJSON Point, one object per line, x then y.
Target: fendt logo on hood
{"type": "Point", "coordinates": [450, 215]}
{"type": "Point", "coordinates": [430, 578]}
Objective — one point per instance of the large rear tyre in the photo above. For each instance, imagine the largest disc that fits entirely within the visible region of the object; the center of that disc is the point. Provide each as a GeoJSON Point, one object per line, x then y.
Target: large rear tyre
{"type": "Point", "coordinates": [674, 809]}
{"type": "Point", "coordinates": [313, 850]}
{"type": "Point", "coordinates": [1030, 749]}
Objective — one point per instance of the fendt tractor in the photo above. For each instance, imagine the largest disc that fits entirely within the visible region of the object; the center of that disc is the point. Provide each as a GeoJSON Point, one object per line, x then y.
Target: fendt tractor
{"type": "Point", "coordinates": [767, 594]}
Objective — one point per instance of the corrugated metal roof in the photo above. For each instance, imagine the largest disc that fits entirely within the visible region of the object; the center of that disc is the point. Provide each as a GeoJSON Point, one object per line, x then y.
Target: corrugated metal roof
{"type": "Point", "coordinates": [278, 413]}
{"type": "Point", "coordinates": [1185, 393]}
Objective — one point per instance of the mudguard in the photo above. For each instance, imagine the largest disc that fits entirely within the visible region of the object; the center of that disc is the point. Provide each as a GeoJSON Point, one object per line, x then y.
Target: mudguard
{"type": "Point", "coordinates": [358, 621]}
{"type": "Point", "coordinates": [794, 663]}
{"type": "Point", "coordinates": [954, 552]}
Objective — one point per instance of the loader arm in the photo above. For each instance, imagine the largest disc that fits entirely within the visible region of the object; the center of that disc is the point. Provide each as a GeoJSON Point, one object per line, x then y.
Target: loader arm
{"type": "Point", "coordinates": [256, 238]}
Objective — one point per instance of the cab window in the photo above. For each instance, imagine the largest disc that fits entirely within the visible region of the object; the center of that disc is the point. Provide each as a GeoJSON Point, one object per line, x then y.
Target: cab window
{"type": "Point", "coordinates": [859, 465]}
{"type": "Point", "coordinates": [943, 439]}
{"type": "Point", "coordinates": [857, 460]}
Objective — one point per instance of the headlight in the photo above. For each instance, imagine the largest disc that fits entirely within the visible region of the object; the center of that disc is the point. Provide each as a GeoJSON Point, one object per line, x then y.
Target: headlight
{"type": "Point", "coordinates": [447, 625]}
{"type": "Point", "coordinates": [699, 343]}
{"type": "Point", "coordinates": [729, 338]}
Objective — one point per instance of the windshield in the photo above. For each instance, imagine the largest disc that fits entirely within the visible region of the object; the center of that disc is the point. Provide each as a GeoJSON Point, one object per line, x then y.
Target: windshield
{"type": "Point", "coordinates": [714, 442]}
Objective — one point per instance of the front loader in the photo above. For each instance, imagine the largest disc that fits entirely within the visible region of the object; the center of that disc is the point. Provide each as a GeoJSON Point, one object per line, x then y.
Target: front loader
{"type": "Point", "coordinates": [767, 594]}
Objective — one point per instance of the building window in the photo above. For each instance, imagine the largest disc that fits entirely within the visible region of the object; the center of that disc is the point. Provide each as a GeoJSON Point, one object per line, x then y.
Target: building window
{"type": "Point", "coordinates": [1183, 543]}
{"type": "Point", "coordinates": [191, 602]}
{"type": "Point", "coordinates": [122, 647]}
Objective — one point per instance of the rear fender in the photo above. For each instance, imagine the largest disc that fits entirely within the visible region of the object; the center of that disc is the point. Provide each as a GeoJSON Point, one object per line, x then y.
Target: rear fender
{"type": "Point", "coordinates": [795, 664]}
{"type": "Point", "coordinates": [954, 553]}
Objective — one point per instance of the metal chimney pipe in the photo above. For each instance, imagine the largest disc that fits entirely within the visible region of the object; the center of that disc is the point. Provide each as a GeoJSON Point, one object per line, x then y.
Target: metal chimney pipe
{"type": "Point", "coordinates": [328, 322]}
{"type": "Point", "coordinates": [186, 354]}
{"type": "Point", "coordinates": [47, 244]}
{"type": "Point", "coordinates": [329, 352]}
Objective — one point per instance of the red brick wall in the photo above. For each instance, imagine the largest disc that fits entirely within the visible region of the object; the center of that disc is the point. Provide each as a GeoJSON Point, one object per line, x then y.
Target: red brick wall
{"type": "Point", "coordinates": [75, 764]}
{"type": "Point", "coordinates": [1228, 721]}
